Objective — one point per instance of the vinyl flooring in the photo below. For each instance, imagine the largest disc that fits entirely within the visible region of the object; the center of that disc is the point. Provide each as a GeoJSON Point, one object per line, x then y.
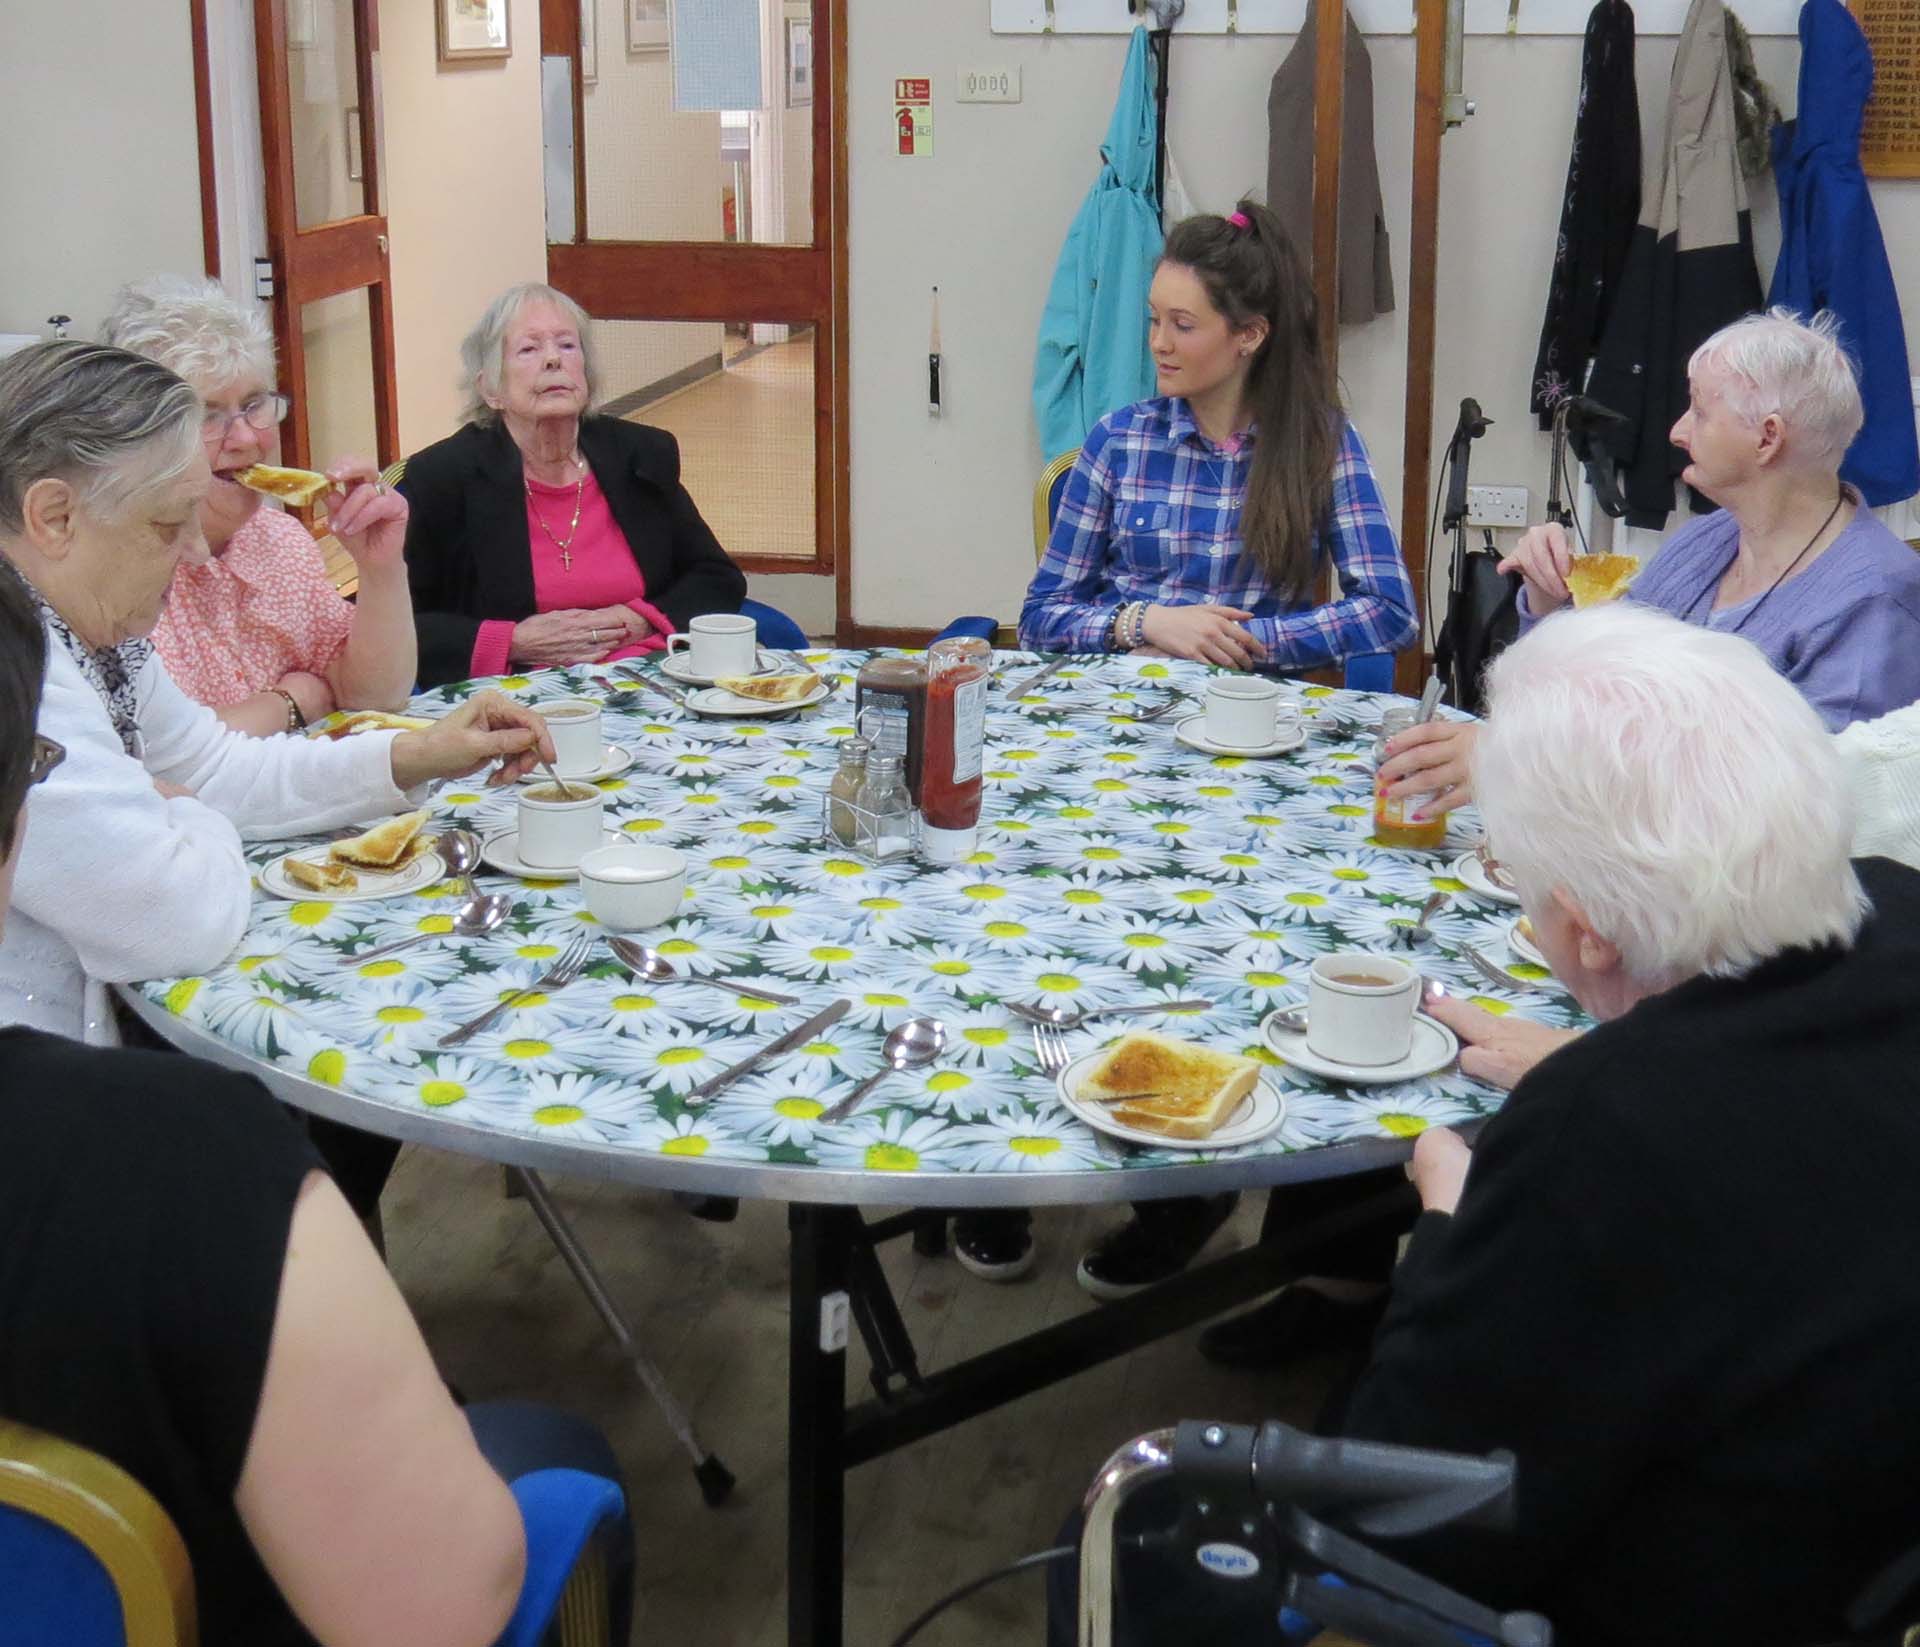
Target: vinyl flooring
{"type": "Point", "coordinates": [709, 1301]}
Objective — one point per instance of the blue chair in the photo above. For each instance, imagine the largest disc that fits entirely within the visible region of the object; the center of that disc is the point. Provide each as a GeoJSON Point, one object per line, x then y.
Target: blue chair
{"type": "Point", "coordinates": [776, 628]}
{"type": "Point", "coordinates": [1370, 672]}
{"type": "Point", "coordinates": [980, 628]}
{"type": "Point", "coordinates": [88, 1558]}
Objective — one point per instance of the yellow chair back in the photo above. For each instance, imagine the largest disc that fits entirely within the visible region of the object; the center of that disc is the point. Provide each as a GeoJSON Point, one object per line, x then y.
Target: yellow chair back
{"type": "Point", "coordinates": [116, 1519]}
{"type": "Point", "coordinates": [1045, 497]}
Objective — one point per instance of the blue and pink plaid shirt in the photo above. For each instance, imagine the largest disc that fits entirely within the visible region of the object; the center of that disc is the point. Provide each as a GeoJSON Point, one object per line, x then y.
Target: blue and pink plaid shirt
{"type": "Point", "coordinates": [1151, 512]}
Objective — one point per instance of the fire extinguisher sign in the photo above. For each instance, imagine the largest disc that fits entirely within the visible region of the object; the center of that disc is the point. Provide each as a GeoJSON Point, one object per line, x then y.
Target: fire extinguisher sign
{"type": "Point", "coordinates": [913, 117]}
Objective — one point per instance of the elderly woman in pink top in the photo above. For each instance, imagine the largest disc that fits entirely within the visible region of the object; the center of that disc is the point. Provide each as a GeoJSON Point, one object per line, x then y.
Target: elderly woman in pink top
{"type": "Point", "coordinates": [258, 632]}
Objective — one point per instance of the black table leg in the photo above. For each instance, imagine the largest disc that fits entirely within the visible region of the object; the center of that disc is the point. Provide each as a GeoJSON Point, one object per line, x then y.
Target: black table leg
{"type": "Point", "coordinates": [816, 1415]}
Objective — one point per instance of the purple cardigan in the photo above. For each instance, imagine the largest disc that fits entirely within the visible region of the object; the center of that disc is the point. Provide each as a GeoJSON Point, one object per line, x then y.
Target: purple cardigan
{"type": "Point", "coordinates": [1846, 631]}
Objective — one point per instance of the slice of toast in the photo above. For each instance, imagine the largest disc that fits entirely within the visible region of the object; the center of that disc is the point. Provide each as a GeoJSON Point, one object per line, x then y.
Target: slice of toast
{"type": "Point", "coordinates": [1593, 580]}
{"type": "Point", "coordinates": [769, 688]}
{"type": "Point", "coordinates": [376, 720]}
{"type": "Point", "coordinates": [296, 486]}
{"type": "Point", "coordinates": [321, 877]}
{"type": "Point", "coordinates": [1143, 1064]}
{"type": "Point", "coordinates": [1187, 1115]}
{"type": "Point", "coordinates": [382, 847]}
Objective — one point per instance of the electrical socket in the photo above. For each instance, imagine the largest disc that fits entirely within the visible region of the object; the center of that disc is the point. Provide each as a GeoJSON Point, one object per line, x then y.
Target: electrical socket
{"type": "Point", "coordinates": [1497, 505]}
{"type": "Point", "coordinates": [988, 85]}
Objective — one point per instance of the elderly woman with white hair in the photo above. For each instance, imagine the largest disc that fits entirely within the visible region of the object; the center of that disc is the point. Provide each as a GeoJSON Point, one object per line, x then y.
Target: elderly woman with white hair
{"type": "Point", "coordinates": [542, 534]}
{"type": "Point", "coordinates": [257, 630]}
{"type": "Point", "coordinates": [1675, 1274]}
{"type": "Point", "coordinates": [1791, 561]}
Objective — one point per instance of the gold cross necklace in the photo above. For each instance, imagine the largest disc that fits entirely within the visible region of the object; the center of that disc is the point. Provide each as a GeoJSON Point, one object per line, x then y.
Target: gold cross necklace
{"type": "Point", "coordinates": [564, 545]}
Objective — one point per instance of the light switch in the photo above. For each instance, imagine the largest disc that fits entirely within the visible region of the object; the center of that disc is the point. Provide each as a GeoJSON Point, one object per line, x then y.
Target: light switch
{"type": "Point", "coordinates": [988, 85]}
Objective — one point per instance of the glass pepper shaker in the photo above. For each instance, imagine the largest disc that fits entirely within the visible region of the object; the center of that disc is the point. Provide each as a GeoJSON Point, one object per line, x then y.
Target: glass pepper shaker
{"type": "Point", "coordinates": [843, 794]}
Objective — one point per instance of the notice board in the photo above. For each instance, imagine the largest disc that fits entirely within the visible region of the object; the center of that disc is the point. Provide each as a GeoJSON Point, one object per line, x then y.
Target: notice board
{"type": "Point", "coordinates": [1890, 144]}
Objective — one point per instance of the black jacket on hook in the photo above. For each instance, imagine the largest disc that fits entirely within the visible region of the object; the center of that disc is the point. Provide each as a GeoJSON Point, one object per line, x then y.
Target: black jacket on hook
{"type": "Point", "coordinates": [1598, 213]}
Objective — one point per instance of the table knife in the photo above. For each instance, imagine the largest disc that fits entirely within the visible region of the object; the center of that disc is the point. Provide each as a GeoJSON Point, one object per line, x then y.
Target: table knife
{"type": "Point", "coordinates": [784, 1043]}
{"type": "Point", "coordinates": [1045, 674]}
{"type": "Point", "coordinates": [648, 683]}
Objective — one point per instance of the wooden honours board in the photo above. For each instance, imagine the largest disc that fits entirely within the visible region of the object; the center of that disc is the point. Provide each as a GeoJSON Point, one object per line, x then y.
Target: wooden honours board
{"type": "Point", "coordinates": [1890, 145]}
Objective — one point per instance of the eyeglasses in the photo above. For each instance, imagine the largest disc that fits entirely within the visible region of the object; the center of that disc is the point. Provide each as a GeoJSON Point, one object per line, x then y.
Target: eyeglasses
{"type": "Point", "coordinates": [263, 412]}
{"type": "Point", "coordinates": [46, 756]}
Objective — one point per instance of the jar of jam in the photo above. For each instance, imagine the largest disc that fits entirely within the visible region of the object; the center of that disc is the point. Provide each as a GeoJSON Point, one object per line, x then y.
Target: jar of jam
{"type": "Point", "coordinates": [1393, 819]}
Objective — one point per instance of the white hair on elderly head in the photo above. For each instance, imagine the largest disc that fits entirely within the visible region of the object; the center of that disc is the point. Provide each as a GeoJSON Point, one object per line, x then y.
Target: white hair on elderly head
{"type": "Point", "coordinates": [1777, 362]}
{"type": "Point", "coordinates": [116, 426]}
{"type": "Point", "coordinates": [1676, 788]}
{"type": "Point", "coordinates": [483, 351]}
{"type": "Point", "coordinates": [194, 328]}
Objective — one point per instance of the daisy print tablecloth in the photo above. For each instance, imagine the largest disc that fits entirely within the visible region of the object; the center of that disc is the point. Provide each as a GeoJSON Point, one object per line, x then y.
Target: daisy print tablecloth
{"type": "Point", "coordinates": [1114, 864]}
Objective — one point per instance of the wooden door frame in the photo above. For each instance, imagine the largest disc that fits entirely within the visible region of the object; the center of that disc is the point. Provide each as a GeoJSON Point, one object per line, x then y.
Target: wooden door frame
{"type": "Point", "coordinates": [711, 280]}
{"type": "Point", "coordinates": [336, 257]}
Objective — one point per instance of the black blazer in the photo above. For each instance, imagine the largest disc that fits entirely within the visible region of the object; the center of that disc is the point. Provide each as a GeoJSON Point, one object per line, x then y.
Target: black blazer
{"type": "Point", "coordinates": [468, 554]}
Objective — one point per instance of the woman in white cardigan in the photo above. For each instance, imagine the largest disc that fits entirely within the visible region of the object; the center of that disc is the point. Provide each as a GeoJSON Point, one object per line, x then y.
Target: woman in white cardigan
{"type": "Point", "coordinates": [131, 866]}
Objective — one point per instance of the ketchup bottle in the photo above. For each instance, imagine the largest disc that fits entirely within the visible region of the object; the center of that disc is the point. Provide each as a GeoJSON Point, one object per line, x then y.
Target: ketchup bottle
{"type": "Point", "coordinates": [956, 724]}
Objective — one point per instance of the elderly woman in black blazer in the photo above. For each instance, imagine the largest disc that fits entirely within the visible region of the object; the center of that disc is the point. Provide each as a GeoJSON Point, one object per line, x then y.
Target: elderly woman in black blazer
{"type": "Point", "coordinates": [540, 534]}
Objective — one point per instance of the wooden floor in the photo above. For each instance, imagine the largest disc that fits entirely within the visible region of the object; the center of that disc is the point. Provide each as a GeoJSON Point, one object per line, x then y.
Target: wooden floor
{"type": "Point", "coordinates": [746, 448]}
{"type": "Point", "coordinates": [709, 1300]}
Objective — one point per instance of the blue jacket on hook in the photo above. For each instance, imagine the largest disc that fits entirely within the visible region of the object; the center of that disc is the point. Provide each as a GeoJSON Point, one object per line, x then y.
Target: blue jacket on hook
{"type": "Point", "coordinates": [1093, 354]}
{"type": "Point", "coordinates": [1832, 255]}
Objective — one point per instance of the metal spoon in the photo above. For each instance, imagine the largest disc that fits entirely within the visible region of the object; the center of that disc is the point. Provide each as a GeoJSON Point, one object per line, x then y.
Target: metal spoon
{"type": "Point", "coordinates": [918, 1041]}
{"type": "Point", "coordinates": [1293, 1019]}
{"type": "Point", "coordinates": [1062, 1018]}
{"type": "Point", "coordinates": [1420, 934]}
{"type": "Point", "coordinates": [476, 916]}
{"type": "Point", "coordinates": [459, 850]}
{"type": "Point", "coordinates": [655, 968]}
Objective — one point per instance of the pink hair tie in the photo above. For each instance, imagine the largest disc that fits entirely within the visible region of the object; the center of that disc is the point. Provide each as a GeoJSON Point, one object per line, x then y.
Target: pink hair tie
{"type": "Point", "coordinates": [1240, 220]}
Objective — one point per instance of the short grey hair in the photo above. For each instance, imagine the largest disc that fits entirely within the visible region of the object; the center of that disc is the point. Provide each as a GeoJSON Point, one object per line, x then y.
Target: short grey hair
{"type": "Point", "coordinates": [1682, 793]}
{"type": "Point", "coordinates": [483, 350]}
{"type": "Point", "coordinates": [1777, 362]}
{"type": "Point", "coordinates": [114, 425]}
{"type": "Point", "coordinates": [191, 327]}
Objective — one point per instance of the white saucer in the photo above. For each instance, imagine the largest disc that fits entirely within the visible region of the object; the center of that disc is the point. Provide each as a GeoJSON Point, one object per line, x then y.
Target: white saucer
{"type": "Point", "coordinates": [1466, 868]}
{"type": "Point", "coordinates": [423, 871]}
{"type": "Point", "coordinates": [679, 667]}
{"type": "Point", "coordinates": [1525, 947]}
{"type": "Point", "coordinates": [716, 701]}
{"type": "Point", "coordinates": [1259, 1113]}
{"type": "Point", "coordinates": [502, 850]}
{"type": "Point", "coordinates": [614, 759]}
{"type": "Point", "coordinates": [1434, 1047]}
{"type": "Point", "coordinates": [1191, 733]}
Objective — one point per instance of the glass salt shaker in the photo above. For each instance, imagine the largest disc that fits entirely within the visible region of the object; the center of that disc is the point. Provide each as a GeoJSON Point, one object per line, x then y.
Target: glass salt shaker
{"type": "Point", "coordinates": [887, 827]}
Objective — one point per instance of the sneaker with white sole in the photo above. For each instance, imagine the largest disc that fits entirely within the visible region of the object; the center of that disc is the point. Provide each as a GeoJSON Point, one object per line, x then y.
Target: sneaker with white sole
{"type": "Point", "coordinates": [1160, 1240]}
{"type": "Point", "coordinates": [996, 1246]}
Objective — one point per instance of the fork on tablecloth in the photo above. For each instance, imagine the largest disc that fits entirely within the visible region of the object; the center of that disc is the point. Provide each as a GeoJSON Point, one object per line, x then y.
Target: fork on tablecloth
{"type": "Point", "coordinates": [572, 962]}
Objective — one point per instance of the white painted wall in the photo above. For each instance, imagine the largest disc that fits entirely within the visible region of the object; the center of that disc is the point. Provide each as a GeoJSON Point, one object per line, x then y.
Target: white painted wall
{"type": "Point", "coordinates": [99, 173]}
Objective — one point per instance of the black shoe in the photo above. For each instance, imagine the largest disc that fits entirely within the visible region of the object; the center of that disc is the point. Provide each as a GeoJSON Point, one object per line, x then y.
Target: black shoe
{"type": "Point", "coordinates": [715, 1209]}
{"type": "Point", "coordinates": [1160, 1240]}
{"type": "Point", "coordinates": [996, 1246]}
{"type": "Point", "coordinates": [1295, 1322]}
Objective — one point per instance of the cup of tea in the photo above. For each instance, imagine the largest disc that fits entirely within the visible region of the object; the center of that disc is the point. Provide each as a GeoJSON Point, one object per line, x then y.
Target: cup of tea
{"type": "Point", "coordinates": [1243, 711]}
{"type": "Point", "coordinates": [720, 643]}
{"type": "Point", "coordinates": [626, 888]}
{"type": "Point", "coordinates": [560, 823]}
{"type": "Point", "coordinates": [1360, 1008]}
{"type": "Point", "coordinates": [574, 725]}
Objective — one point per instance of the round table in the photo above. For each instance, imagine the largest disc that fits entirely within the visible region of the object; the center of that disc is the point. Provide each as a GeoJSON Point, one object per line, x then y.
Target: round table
{"type": "Point", "coordinates": [1114, 864]}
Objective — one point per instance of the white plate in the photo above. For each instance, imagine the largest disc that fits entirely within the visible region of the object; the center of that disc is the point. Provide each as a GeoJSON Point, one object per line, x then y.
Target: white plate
{"type": "Point", "coordinates": [1525, 947]}
{"type": "Point", "coordinates": [502, 850]}
{"type": "Point", "coordinates": [374, 883]}
{"type": "Point", "coordinates": [1467, 868]}
{"type": "Point", "coordinates": [679, 667]}
{"type": "Point", "coordinates": [715, 701]}
{"type": "Point", "coordinates": [613, 761]}
{"type": "Point", "coordinates": [1434, 1047]}
{"type": "Point", "coordinates": [1192, 733]}
{"type": "Point", "coordinates": [1258, 1114]}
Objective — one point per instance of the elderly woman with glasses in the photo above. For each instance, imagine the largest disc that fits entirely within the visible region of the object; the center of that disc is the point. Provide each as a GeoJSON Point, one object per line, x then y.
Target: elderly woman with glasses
{"type": "Point", "coordinates": [258, 630]}
{"type": "Point", "coordinates": [132, 865]}
{"type": "Point", "coordinates": [544, 535]}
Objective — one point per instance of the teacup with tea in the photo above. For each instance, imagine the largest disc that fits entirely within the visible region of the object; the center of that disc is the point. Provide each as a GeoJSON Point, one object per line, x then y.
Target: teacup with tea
{"type": "Point", "coordinates": [560, 823]}
{"type": "Point", "coordinates": [1360, 1008]}
{"type": "Point", "coordinates": [574, 726]}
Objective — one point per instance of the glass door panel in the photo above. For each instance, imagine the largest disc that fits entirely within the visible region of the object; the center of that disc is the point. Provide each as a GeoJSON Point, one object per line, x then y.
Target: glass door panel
{"type": "Point", "coordinates": [324, 112]}
{"type": "Point", "coordinates": [337, 337]}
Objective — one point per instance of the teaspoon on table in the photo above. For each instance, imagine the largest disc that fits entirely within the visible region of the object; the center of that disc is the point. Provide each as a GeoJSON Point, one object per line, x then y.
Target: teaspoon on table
{"type": "Point", "coordinates": [475, 917]}
{"type": "Point", "coordinates": [459, 850]}
{"type": "Point", "coordinates": [918, 1041]}
{"type": "Point", "coordinates": [654, 967]}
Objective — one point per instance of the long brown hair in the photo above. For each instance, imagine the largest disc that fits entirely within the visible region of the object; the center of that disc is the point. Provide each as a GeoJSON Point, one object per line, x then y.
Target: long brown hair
{"type": "Point", "coordinates": [1253, 273]}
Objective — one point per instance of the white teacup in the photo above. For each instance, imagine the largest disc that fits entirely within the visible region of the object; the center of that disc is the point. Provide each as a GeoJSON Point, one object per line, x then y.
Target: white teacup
{"type": "Point", "coordinates": [556, 833]}
{"type": "Point", "coordinates": [574, 725]}
{"type": "Point", "coordinates": [1248, 712]}
{"type": "Point", "coordinates": [1360, 1008]}
{"type": "Point", "coordinates": [626, 888]}
{"type": "Point", "coordinates": [721, 643]}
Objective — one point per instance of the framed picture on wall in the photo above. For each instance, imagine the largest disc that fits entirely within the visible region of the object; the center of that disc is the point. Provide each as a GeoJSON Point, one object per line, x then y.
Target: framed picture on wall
{"type": "Point", "coordinates": [356, 160]}
{"type": "Point", "coordinates": [649, 26]}
{"type": "Point", "coordinates": [471, 31]}
{"type": "Point", "coordinates": [589, 42]}
{"type": "Point", "coordinates": [799, 62]}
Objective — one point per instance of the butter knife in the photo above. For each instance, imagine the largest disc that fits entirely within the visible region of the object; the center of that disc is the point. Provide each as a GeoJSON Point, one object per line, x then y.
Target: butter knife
{"type": "Point", "coordinates": [772, 1050]}
{"type": "Point", "coordinates": [1045, 674]}
{"type": "Point", "coordinates": [648, 683]}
